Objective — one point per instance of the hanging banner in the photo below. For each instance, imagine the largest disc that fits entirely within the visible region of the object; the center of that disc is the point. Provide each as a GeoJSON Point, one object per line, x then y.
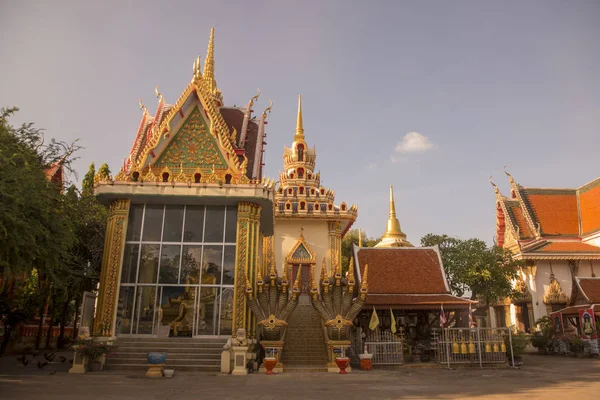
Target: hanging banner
{"type": "Point", "coordinates": [587, 327]}
{"type": "Point", "coordinates": [557, 324]}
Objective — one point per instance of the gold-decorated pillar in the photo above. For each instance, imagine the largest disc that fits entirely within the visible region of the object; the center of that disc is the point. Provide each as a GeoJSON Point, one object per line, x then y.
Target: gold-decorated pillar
{"type": "Point", "coordinates": [335, 240]}
{"type": "Point", "coordinates": [530, 316]}
{"type": "Point", "coordinates": [112, 260]}
{"type": "Point", "coordinates": [507, 319]}
{"type": "Point", "coordinates": [246, 262]}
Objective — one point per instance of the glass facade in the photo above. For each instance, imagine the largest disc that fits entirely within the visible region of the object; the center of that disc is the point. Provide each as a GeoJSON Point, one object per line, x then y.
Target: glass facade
{"type": "Point", "coordinates": [177, 275]}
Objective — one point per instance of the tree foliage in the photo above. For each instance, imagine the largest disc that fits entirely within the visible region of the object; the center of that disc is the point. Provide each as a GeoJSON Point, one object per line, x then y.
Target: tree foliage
{"type": "Point", "coordinates": [351, 238]}
{"type": "Point", "coordinates": [471, 267]}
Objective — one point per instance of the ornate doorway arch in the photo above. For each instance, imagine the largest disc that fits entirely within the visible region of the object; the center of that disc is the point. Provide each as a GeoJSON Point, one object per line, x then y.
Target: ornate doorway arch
{"type": "Point", "coordinates": [301, 257]}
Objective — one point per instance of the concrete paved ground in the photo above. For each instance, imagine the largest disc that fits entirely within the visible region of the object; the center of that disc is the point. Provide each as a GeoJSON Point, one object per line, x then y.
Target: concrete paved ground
{"type": "Point", "coordinates": [547, 377]}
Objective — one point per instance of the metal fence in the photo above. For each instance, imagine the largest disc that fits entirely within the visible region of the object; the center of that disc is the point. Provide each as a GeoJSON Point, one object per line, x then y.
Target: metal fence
{"type": "Point", "coordinates": [385, 347]}
{"type": "Point", "coordinates": [472, 346]}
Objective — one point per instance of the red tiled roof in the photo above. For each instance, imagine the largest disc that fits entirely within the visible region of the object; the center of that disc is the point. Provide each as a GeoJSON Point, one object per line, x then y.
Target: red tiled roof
{"type": "Point", "coordinates": [518, 219]}
{"type": "Point", "coordinates": [567, 247]}
{"type": "Point", "coordinates": [403, 270]}
{"type": "Point", "coordinates": [574, 310]}
{"type": "Point", "coordinates": [589, 203]}
{"type": "Point", "coordinates": [590, 288]}
{"type": "Point", "coordinates": [416, 301]}
{"type": "Point", "coordinates": [555, 210]}
{"type": "Point", "coordinates": [234, 118]}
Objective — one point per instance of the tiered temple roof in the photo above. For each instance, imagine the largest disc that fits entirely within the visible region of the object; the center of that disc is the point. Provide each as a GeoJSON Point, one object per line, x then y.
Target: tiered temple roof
{"type": "Point", "coordinates": [548, 223]}
{"type": "Point", "coordinates": [300, 193]}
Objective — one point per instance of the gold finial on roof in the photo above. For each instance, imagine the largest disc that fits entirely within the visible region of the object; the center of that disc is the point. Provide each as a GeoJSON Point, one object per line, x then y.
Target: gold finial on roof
{"type": "Point", "coordinates": [143, 107]}
{"type": "Point", "coordinates": [393, 230]}
{"type": "Point", "coordinates": [299, 126]}
{"type": "Point", "coordinates": [350, 274]}
{"type": "Point", "coordinates": [209, 63]}
{"type": "Point", "coordinates": [254, 98]}
{"type": "Point", "coordinates": [359, 238]}
{"type": "Point", "coordinates": [510, 178]}
{"type": "Point", "coordinates": [158, 94]}
{"type": "Point", "coordinates": [494, 185]}
{"type": "Point", "coordinates": [268, 109]}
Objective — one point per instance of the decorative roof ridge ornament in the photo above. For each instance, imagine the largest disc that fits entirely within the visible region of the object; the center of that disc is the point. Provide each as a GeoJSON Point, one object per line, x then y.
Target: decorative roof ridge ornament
{"type": "Point", "coordinates": [252, 100]}
{"type": "Point", "coordinates": [142, 106]}
{"type": "Point", "coordinates": [159, 95]}
{"type": "Point", "coordinates": [510, 177]}
{"type": "Point", "coordinates": [209, 64]}
{"type": "Point", "coordinates": [496, 190]}
{"type": "Point", "coordinates": [268, 109]}
{"type": "Point", "coordinates": [299, 135]}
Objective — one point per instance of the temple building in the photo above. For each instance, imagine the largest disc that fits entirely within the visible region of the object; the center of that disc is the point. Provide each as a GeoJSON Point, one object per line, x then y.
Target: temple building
{"type": "Point", "coordinates": [407, 281]}
{"type": "Point", "coordinates": [556, 232]}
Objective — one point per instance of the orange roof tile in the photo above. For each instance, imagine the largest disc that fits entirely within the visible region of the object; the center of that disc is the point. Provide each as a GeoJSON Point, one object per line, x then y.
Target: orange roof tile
{"type": "Point", "coordinates": [403, 270]}
{"type": "Point", "coordinates": [555, 210]}
{"type": "Point", "coordinates": [567, 247]}
{"type": "Point", "coordinates": [589, 203]}
{"type": "Point", "coordinates": [590, 288]}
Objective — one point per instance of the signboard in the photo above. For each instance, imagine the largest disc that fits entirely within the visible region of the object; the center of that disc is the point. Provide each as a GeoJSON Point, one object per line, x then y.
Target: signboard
{"type": "Point", "coordinates": [587, 327]}
{"type": "Point", "coordinates": [557, 324]}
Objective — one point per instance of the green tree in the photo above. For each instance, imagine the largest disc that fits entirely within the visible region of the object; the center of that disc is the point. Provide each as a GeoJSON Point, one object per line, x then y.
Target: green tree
{"type": "Point", "coordinates": [348, 240]}
{"type": "Point", "coordinates": [486, 273]}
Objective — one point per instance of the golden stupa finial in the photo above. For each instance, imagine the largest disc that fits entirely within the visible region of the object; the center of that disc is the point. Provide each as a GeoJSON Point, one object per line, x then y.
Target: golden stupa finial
{"type": "Point", "coordinates": [209, 63]}
{"type": "Point", "coordinates": [510, 178]}
{"type": "Point", "coordinates": [393, 225]}
{"type": "Point", "coordinates": [359, 238]}
{"type": "Point", "coordinates": [268, 109]}
{"type": "Point", "coordinates": [142, 106]}
{"type": "Point", "coordinates": [253, 99]}
{"type": "Point", "coordinates": [299, 126]}
{"type": "Point", "coordinates": [158, 94]}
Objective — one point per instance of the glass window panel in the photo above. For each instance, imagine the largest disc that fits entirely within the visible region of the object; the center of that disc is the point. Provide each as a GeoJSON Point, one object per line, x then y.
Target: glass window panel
{"type": "Point", "coordinates": [231, 224]}
{"type": "Point", "coordinates": [144, 310]}
{"type": "Point", "coordinates": [125, 310]}
{"type": "Point", "coordinates": [173, 224]}
{"type": "Point", "coordinates": [208, 311]}
{"type": "Point", "coordinates": [148, 263]}
{"type": "Point", "coordinates": [228, 265]}
{"type": "Point", "coordinates": [173, 319]}
{"type": "Point", "coordinates": [153, 223]}
{"type": "Point", "coordinates": [211, 265]}
{"type": "Point", "coordinates": [190, 265]}
{"type": "Point", "coordinates": [169, 264]}
{"type": "Point", "coordinates": [130, 260]}
{"type": "Point", "coordinates": [226, 315]}
{"type": "Point", "coordinates": [134, 226]}
{"type": "Point", "coordinates": [194, 224]}
{"type": "Point", "coordinates": [215, 220]}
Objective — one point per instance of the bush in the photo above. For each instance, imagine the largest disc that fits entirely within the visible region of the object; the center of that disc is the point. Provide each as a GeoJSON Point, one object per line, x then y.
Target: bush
{"type": "Point", "coordinates": [92, 348]}
{"type": "Point", "coordinates": [519, 343]}
{"type": "Point", "coordinates": [543, 339]}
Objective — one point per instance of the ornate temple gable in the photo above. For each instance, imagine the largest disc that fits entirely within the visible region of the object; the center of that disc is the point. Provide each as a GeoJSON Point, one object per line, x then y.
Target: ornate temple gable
{"type": "Point", "coordinates": [192, 146]}
{"type": "Point", "coordinates": [300, 194]}
{"type": "Point", "coordinates": [554, 294]}
{"type": "Point", "coordinates": [516, 193]}
{"type": "Point", "coordinates": [301, 253]}
{"type": "Point", "coordinates": [156, 133]}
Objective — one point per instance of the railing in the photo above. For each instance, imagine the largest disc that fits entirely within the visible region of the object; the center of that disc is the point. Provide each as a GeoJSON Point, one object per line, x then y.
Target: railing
{"type": "Point", "coordinates": [472, 346]}
{"type": "Point", "coordinates": [385, 347]}
{"type": "Point", "coordinates": [31, 330]}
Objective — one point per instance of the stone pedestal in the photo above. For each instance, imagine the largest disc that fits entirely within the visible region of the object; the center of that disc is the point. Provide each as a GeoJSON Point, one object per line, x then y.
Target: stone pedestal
{"type": "Point", "coordinates": [335, 349]}
{"type": "Point", "coordinates": [80, 363]}
{"type": "Point", "coordinates": [239, 360]}
{"type": "Point", "coordinates": [225, 361]}
{"type": "Point", "coordinates": [155, 370]}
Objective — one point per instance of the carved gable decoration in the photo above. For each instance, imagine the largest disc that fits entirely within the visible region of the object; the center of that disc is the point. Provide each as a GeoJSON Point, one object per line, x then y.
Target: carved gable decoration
{"type": "Point", "coordinates": [301, 253]}
{"type": "Point", "coordinates": [193, 146]}
{"type": "Point", "coordinates": [521, 292]}
{"type": "Point", "coordinates": [555, 294]}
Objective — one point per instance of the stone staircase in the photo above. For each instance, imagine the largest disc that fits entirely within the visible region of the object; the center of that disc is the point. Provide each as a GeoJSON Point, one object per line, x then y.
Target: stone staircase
{"type": "Point", "coordinates": [304, 348]}
{"type": "Point", "coordinates": [183, 354]}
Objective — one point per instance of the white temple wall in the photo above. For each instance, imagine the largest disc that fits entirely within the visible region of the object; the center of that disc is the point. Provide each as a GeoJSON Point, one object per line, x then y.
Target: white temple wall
{"type": "Point", "coordinates": [562, 273]}
{"type": "Point", "coordinates": [287, 233]}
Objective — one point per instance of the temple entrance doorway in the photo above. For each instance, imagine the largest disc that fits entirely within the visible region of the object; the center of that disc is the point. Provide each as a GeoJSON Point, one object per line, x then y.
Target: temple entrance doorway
{"type": "Point", "coordinates": [304, 277]}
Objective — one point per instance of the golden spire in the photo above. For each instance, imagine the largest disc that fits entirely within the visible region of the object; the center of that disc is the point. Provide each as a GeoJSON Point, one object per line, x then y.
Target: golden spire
{"type": "Point", "coordinates": [393, 225]}
{"type": "Point", "coordinates": [299, 127]}
{"type": "Point", "coordinates": [209, 63]}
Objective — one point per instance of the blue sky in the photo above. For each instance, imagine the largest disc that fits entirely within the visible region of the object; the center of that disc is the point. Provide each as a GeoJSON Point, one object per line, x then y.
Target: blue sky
{"type": "Point", "coordinates": [483, 84]}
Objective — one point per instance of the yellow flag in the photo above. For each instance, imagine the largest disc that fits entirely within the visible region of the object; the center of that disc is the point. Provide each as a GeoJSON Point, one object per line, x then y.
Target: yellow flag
{"type": "Point", "coordinates": [374, 320]}
{"type": "Point", "coordinates": [393, 322]}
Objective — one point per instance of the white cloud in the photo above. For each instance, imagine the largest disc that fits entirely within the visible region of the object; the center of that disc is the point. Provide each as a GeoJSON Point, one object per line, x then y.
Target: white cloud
{"type": "Point", "coordinates": [414, 142]}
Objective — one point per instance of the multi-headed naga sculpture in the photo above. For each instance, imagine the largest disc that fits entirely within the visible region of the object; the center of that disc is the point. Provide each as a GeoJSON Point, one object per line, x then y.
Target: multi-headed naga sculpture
{"type": "Point", "coordinates": [272, 306]}
{"type": "Point", "coordinates": [337, 305]}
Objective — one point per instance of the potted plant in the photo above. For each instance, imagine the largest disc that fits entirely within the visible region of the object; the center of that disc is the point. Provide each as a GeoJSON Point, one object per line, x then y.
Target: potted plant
{"type": "Point", "coordinates": [94, 350]}
{"type": "Point", "coordinates": [542, 340]}
{"type": "Point", "coordinates": [519, 343]}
